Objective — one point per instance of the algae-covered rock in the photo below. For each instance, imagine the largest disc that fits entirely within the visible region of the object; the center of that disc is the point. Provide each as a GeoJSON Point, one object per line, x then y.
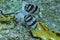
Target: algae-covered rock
{"type": "Point", "coordinates": [9, 6]}
{"type": "Point", "coordinates": [1, 1]}
{"type": "Point", "coordinates": [49, 14]}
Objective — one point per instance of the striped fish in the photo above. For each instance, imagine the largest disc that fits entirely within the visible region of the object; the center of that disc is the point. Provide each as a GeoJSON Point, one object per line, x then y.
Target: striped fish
{"type": "Point", "coordinates": [31, 8]}
{"type": "Point", "coordinates": [30, 21]}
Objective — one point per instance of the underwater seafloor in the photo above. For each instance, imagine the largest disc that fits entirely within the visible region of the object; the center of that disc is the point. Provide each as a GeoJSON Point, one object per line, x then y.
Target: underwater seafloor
{"type": "Point", "coordinates": [49, 13]}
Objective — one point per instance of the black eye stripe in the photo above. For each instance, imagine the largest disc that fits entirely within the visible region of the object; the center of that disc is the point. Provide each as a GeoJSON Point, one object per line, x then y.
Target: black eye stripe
{"type": "Point", "coordinates": [36, 8]}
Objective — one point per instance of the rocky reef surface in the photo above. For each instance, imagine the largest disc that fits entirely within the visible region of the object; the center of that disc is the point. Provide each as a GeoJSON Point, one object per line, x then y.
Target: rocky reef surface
{"type": "Point", "coordinates": [49, 14]}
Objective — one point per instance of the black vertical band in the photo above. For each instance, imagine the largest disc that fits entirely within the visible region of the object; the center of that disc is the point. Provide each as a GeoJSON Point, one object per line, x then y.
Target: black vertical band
{"type": "Point", "coordinates": [36, 8]}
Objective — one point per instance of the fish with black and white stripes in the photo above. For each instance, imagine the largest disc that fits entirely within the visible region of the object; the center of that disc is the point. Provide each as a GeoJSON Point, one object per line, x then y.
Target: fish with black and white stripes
{"type": "Point", "coordinates": [31, 8]}
{"type": "Point", "coordinates": [30, 21]}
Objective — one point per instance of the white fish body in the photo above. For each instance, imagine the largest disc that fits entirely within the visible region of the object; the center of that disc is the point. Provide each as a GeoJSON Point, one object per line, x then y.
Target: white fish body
{"type": "Point", "coordinates": [20, 16]}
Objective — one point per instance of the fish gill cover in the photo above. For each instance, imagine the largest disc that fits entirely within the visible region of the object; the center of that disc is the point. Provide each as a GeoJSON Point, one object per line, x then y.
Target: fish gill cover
{"type": "Point", "coordinates": [49, 14]}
